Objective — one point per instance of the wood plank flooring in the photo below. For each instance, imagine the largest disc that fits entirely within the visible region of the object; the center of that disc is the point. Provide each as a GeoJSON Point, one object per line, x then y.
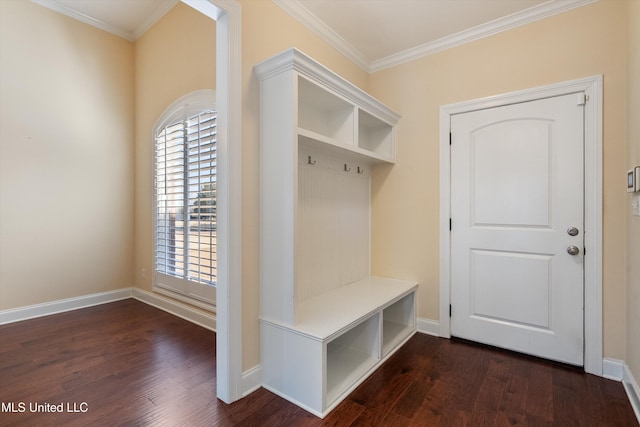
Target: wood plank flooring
{"type": "Point", "coordinates": [129, 364]}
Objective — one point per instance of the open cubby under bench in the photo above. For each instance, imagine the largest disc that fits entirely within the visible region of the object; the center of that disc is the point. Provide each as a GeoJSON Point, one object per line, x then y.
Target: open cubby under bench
{"type": "Point", "coordinates": [339, 338]}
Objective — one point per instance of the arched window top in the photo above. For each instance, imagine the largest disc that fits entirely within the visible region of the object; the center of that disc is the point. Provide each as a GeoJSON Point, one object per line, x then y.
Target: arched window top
{"type": "Point", "coordinates": [185, 107]}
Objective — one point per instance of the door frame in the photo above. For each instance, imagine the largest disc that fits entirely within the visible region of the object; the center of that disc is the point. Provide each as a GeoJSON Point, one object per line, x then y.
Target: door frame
{"type": "Point", "coordinates": [228, 17]}
{"type": "Point", "coordinates": [592, 87]}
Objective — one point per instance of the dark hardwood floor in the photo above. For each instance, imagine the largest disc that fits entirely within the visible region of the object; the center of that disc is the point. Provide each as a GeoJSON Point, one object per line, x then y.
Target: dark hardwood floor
{"type": "Point", "coordinates": [126, 363]}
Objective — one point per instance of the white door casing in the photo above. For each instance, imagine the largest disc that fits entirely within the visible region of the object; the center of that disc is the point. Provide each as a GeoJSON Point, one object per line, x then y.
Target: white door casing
{"type": "Point", "coordinates": [592, 87]}
{"type": "Point", "coordinates": [516, 188]}
{"type": "Point", "coordinates": [228, 17]}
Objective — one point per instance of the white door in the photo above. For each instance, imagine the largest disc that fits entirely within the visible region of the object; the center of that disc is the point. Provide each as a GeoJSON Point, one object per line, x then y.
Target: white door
{"type": "Point", "coordinates": [517, 216]}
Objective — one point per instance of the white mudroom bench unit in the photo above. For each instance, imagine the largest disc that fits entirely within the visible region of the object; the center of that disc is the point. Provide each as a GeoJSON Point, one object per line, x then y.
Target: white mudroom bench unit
{"type": "Point", "coordinates": [325, 322]}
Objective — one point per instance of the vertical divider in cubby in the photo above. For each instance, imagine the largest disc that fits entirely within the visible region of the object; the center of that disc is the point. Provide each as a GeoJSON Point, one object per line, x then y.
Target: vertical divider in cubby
{"type": "Point", "coordinates": [356, 127]}
{"type": "Point", "coordinates": [398, 321]}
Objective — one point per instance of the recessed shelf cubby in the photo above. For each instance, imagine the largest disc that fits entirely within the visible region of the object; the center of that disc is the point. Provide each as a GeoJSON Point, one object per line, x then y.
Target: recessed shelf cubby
{"type": "Point", "coordinates": [351, 355]}
{"type": "Point", "coordinates": [398, 320]}
{"type": "Point", "coordinates": [374, 135]}
{"type": "Point", "coordinates": [324, 114]}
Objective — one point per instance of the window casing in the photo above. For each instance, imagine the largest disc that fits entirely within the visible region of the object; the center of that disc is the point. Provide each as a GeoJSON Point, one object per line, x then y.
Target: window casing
{"type": "Point", "coordinates": [185, 220]}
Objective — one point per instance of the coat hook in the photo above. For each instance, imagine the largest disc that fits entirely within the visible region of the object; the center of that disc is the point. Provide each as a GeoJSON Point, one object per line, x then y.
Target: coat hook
{"type": "Point", "coordinates": [346, 168]}
{"type": "Point", "coordinates": [310, 162]}
{"type": "Point", "coordinates": [360, 171]}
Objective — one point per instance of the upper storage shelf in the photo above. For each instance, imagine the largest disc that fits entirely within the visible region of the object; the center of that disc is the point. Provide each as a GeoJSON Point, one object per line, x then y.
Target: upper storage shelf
{"type": "Point", "coordinates": [332, 112]}
{"type": "Point", "coordinates": [323, 115]}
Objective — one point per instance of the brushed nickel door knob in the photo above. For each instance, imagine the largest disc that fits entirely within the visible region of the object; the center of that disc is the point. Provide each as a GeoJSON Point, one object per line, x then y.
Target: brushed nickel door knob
{"type": "Point", "coordinates": [573, 250]}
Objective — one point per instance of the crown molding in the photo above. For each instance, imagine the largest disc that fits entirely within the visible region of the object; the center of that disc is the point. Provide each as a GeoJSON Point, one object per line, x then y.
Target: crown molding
{"type": "Point", "coordinates": [72, 13]}
{"type": "Point", "coordinates": [496, 26]}
{"type": "Point", "coordinates": [294, 59]}
{"type": "Point", "coordinates": [158, 13]}
{"type": "Point", "coordinates": [162, 9]}
{"type": "Point", "coordinates": [317, 26]}
{"type": "Point", "coordinates": [544, 10]}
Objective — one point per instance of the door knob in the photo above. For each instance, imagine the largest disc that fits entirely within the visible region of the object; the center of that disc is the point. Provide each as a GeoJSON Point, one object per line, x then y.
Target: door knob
{"type": "Point", "coordinates": [573, 250]}
{"type": "Point", "coordinates": [573, 231]}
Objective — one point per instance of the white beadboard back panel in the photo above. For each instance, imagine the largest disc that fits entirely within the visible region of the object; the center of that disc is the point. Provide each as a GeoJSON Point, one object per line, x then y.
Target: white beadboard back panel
{"type": "Point", "coordinates": [333, 221]}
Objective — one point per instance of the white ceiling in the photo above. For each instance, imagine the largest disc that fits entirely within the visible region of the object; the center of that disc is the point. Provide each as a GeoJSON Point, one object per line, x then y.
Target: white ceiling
{"type": "Point", "coordinates": [379, 28]}
{"type": "Point", "coordinates": [128, 19]}
{"type": "Point", "coordinates": [375, 34]}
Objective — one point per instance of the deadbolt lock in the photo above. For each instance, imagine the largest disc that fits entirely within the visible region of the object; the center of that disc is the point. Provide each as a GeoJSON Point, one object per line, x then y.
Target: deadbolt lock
{"type": "Point", "coordinates": [573, 231]}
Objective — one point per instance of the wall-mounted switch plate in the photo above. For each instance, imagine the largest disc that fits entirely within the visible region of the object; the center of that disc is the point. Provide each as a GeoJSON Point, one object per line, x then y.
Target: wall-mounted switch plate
{"type": "Point", "coordinates": [635, 204]}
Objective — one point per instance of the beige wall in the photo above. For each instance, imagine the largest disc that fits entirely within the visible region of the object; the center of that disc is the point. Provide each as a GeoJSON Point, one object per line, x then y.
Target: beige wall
{"type": "Point", "coordinates": [633, 222]}
{"type": "Point", "coordinates": [174, 57]}
{"type": "Point", "coordinates": [267, 30]}
{"type": "Point", "coordinates": [580, 43]}
{"type": "Point", "coordinates": [66, 157]}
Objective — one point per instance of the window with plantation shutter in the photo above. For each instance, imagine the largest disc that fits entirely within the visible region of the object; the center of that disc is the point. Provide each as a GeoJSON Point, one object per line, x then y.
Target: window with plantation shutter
{"type": "Point", "coordinates": [185, 199]}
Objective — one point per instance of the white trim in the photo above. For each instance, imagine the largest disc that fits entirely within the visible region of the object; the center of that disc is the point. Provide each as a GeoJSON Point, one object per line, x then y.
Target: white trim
{"type": "Point", "coordinates": [184, 298]}
{"type": "Point", "coordinates": [429, 327]}
{"type": "Point", "coordinates": [294, 59]}
{"type": "Point", "coordinates": [228, 16]}
{"type": "Point", "coordinates": [206, 320]}
{"type": "Point", "coordinates": [251, 380]}
{"type": "Point", "coordinates": [155, 16]}
{"type": "Point", "coordinates": [496, 26]}
{"type": "Point", "coordinates": [186, 106]}
{"type": "Point", "coordinates": [326, 33]}
{"type": "Point", "coordinates": [592, 86]}
{"type": "Point", "coordinates": [61, 306]}
{"type": "Point", "coordinates": [613, 369]}
{"type": "Point", "coordinates": [131, 36]}
{"type": "Point", "coordinates": [633, 391]}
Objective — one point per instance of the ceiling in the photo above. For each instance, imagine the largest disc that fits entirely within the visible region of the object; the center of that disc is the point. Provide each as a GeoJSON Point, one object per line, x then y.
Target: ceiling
{"type": "Point", "coordinates": [375, 34]}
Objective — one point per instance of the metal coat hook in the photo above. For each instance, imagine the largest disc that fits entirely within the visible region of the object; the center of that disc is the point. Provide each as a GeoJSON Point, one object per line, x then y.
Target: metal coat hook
{"type": "Point", "coordinates": [360, 171]}
{"type": "Point", "coordinates": [310, 162]}
{"type": "Point", "coordinates": [346, 168]}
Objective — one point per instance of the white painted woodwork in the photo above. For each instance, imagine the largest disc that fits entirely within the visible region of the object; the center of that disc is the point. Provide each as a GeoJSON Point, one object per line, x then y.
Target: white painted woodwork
{"type": "Point", "coordinates": [333, 206]}
{"type": "Point", "coordinates": [341, 338]}
{"type": "Point", "coordinates": [516, 187]}
{"type": "Point", "coordinates": [361, 29]}
{"type": "Point", "coordinates": [325, 323]}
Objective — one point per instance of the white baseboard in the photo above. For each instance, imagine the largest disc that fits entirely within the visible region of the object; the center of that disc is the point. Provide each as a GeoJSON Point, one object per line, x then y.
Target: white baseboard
{"type": "Point", "coordinates": [251, 380]}
{"type": "Point", "coordinates": [613, 369]}
{"type": "Point", "coordinates": [54, 307]}
{"type": "Point", "coordinates": [206, 320]}
{"type": "Point", "coordinates": [60, 306]}
{"type": "Point", "coordinates": [429, 327]}
{"type": "Point", "coordinates": [632, 389]}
